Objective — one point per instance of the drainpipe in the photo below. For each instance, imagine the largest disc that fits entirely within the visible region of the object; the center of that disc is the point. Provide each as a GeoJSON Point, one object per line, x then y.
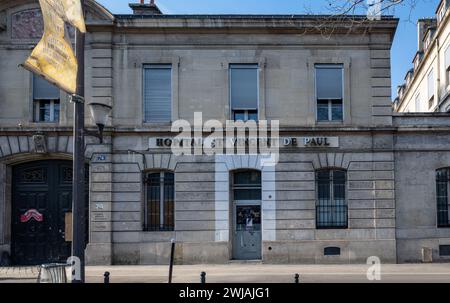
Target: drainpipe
{"type": "Point", "coordinates": [438, 78]}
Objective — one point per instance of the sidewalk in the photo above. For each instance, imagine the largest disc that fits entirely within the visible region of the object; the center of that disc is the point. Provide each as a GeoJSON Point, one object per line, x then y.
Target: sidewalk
{"type": "Point", "coordinates": [255, 273]}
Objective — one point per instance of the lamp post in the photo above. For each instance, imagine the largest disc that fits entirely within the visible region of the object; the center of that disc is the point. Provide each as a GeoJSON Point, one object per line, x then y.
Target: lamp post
{"type": "Point", "coordinates": [78, 187]}
{"type": "Point", "coordinates": [100, 113]}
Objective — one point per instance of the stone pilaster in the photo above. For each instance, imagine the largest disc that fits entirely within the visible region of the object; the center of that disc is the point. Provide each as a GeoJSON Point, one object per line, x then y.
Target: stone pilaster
{"type": "Point", "coordinates": [99, 249]}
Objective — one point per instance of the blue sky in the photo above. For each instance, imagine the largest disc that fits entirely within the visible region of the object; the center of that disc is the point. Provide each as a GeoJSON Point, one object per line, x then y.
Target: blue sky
{"type": "Point", "coordinates": [403, 50]}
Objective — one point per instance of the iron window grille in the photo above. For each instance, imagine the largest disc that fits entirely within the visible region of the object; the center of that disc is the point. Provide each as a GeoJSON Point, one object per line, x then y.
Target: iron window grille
{"type": "Point", "coordinates": [443, 203]}
{"type": "Point", "coordinates": [159, 202]}
{"type": "Point", "coordinates": [331, 206]}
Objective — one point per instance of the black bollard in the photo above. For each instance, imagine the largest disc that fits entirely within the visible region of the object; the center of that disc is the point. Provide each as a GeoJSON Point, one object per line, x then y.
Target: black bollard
{"type": "Point", "coordinates": [172, 252]}
{"type": "Point", "coordinates": [203, 277]}
{"type": "Point", "coordinates": [297, 278]}
{"type": "Point", "coordinates": [106, 277]}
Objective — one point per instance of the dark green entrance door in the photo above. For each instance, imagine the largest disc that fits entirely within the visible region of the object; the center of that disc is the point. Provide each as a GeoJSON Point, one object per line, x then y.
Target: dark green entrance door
{"type": "Point", "coordinates": [42, 195]}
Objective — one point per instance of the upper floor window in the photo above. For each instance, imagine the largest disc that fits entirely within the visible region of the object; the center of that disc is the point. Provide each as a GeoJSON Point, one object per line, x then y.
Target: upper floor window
{"type": "Point", "coordinates": [331, 205]}
{"type": "Point", "coordinates": [447, 65]}
{"type": "Point", "coordinates": [441, 13]}
{"type": "Point", "coordinates": [159, 201]}
{"type": "Point", "coordinates": [46, 101]}
{"type": "Point", "coordinates": [443, 203]}
{"type": "Point", "coordinates": [158, 93]}
{"type": "Point", "coordinates": [430, 86]}
{"type": "Point", "coordinates": [329, 92]}
{"type": "Point", "coordinates": [244, 91]}
{"type": "Point", "coordinates": [417, 103]}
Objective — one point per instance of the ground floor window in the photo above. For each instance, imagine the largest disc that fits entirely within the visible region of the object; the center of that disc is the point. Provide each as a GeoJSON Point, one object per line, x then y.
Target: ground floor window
{"type": "Point", "coordinates": [159, 201]}
{"type": "Point", "coordinates": [442, 190]}
{"type": "Point", "coordinates": [331, 206]}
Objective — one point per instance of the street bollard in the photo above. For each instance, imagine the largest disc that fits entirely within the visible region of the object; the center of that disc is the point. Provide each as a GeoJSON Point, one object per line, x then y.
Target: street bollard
{"type": "Point", "coordinates": [203, 277]}
{"type": "Point", "coordinates": [106, 277]}
{"type": "Point", "coordinates": [297, 278]}
{"type": "Point", "coordinates": [172, 252]}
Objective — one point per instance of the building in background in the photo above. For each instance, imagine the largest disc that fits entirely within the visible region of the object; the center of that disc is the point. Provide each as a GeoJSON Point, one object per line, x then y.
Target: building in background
{"type": "Point", "coordinates": [427, 84]}
{"type": "Point", "coordinates": [352, 181]}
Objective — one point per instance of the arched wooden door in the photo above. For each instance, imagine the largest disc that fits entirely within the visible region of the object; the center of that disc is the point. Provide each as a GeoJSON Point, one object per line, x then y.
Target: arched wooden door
{"type": "Point", "coordinates": [41, 201]}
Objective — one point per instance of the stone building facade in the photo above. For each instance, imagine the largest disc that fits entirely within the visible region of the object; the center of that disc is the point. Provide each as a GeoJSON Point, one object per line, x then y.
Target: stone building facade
{"type": "Point", "coordinates": [427, 83]}
{"type": "Point", "coordinates": [358, 182]}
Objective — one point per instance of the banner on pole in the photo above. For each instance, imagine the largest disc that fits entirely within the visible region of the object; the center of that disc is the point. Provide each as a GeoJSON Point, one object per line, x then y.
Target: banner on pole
{"type": "Point", "coordinates": [70, 11]}
{"type": "Point", "coordinates": [53, 57]}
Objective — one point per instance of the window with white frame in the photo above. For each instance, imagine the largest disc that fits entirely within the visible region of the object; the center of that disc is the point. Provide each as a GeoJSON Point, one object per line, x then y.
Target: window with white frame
{"type": "Point", "coordinates": [447, 65]}
{"type": "Point", "coordinates": [417, 101]}
{"type": "Point", "coordinates": [441, 13]}
{"type": "Point", "coordinates": [430, 86]}
{"type": "Point", "coordinates": [244, 91]}
{"type": "Point", "coordinates": [329, 91]}
{"type": "Point", "coordinates": [157, 93]}
{"type": "Point", "coordinates": [46, 101]}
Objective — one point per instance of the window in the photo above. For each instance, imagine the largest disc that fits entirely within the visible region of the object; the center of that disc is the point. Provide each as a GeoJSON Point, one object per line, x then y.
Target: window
{"type": "Point", "coordinates": [332, 251]}
{"type": "Point", "coordinates": [331, 207]}
{"type": "Point", "coordinates": [417, 103]}
{"type": "Point", "coordinates": [329, 92]}
{"type": "Point", "coordinates": [444, 250]}
{"type": "Point", "coordinates": [46, 101]}
{"type": "Point", "coordinates": [159, 201]}
{"type": "Point", "coordinates": [447, 66]}
{"type": "Point", "coordinates": [158, 93]}
{"type": "Point", "coordinates": [443, 203]}
{"type": "Point", "coordinates": [247, 185]}
{"type": "Point", "coordinates": [244, 91]}
{"type": "Point", "coordinates": [441, 13]}
{"type": "Point", "coordinates": [430, 83]}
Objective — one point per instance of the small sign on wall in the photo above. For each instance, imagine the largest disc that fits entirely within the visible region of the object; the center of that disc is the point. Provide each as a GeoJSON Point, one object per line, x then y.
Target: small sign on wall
{"type": "Point", "coordinates": [313, 142]}
{"type": "Point", "coordinates": [305, 142]}
{"type": "Point", "coordinates": [31, 214]}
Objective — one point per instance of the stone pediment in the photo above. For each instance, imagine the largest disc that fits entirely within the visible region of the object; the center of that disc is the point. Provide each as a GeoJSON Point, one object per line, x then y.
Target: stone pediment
{"type": "Point", "coordinates": [25, 17]}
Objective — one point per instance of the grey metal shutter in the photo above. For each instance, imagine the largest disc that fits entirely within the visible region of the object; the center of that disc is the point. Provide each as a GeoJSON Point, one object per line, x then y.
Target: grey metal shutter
{"type": "Point", "coordinates": [44, 90]}
{"type": "Point", "coordinates": [329, 81]}
{"type": "Point", "coordinates": [158, 93]}
{"type": "Point", "coordinates": [244, 86]}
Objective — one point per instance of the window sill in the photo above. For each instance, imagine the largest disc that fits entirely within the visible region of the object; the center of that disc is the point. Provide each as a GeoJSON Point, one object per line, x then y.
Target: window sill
{"type": "Point", "coordinates": [327, 123]}
{"type": "Point", "coordinates": [156, 236]}
{"type": "Point", "coordinates": [330, 228]}
{"type": "Point", "coordinates": [44, 123]}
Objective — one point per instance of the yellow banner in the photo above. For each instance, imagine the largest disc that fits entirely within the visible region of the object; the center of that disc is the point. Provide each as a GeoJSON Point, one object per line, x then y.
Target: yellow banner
{"type": "Point", "coordinates": [53, 57]}
{"type": "Point", "coordinates": [70, 11]}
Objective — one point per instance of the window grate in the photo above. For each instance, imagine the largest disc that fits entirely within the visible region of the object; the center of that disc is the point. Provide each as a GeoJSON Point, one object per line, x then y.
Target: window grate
{"type": "Point", "coordinates": [332, 251]}
{"type": "Point", "coordinates": [443, 204]}
{"type": "Point", "coordinates": [159, 202]}
{"type": "Point", "coordinates": [331, 208]}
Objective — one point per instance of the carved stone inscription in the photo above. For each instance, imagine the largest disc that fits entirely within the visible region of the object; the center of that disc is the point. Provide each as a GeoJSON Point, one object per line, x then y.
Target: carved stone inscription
{"type": "Point", "coordinates": [27, 24]}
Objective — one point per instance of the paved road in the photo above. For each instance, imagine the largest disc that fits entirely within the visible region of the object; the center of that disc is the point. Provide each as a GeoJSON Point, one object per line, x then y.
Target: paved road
{"type": "Point", "coordinates": [254, 273]}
